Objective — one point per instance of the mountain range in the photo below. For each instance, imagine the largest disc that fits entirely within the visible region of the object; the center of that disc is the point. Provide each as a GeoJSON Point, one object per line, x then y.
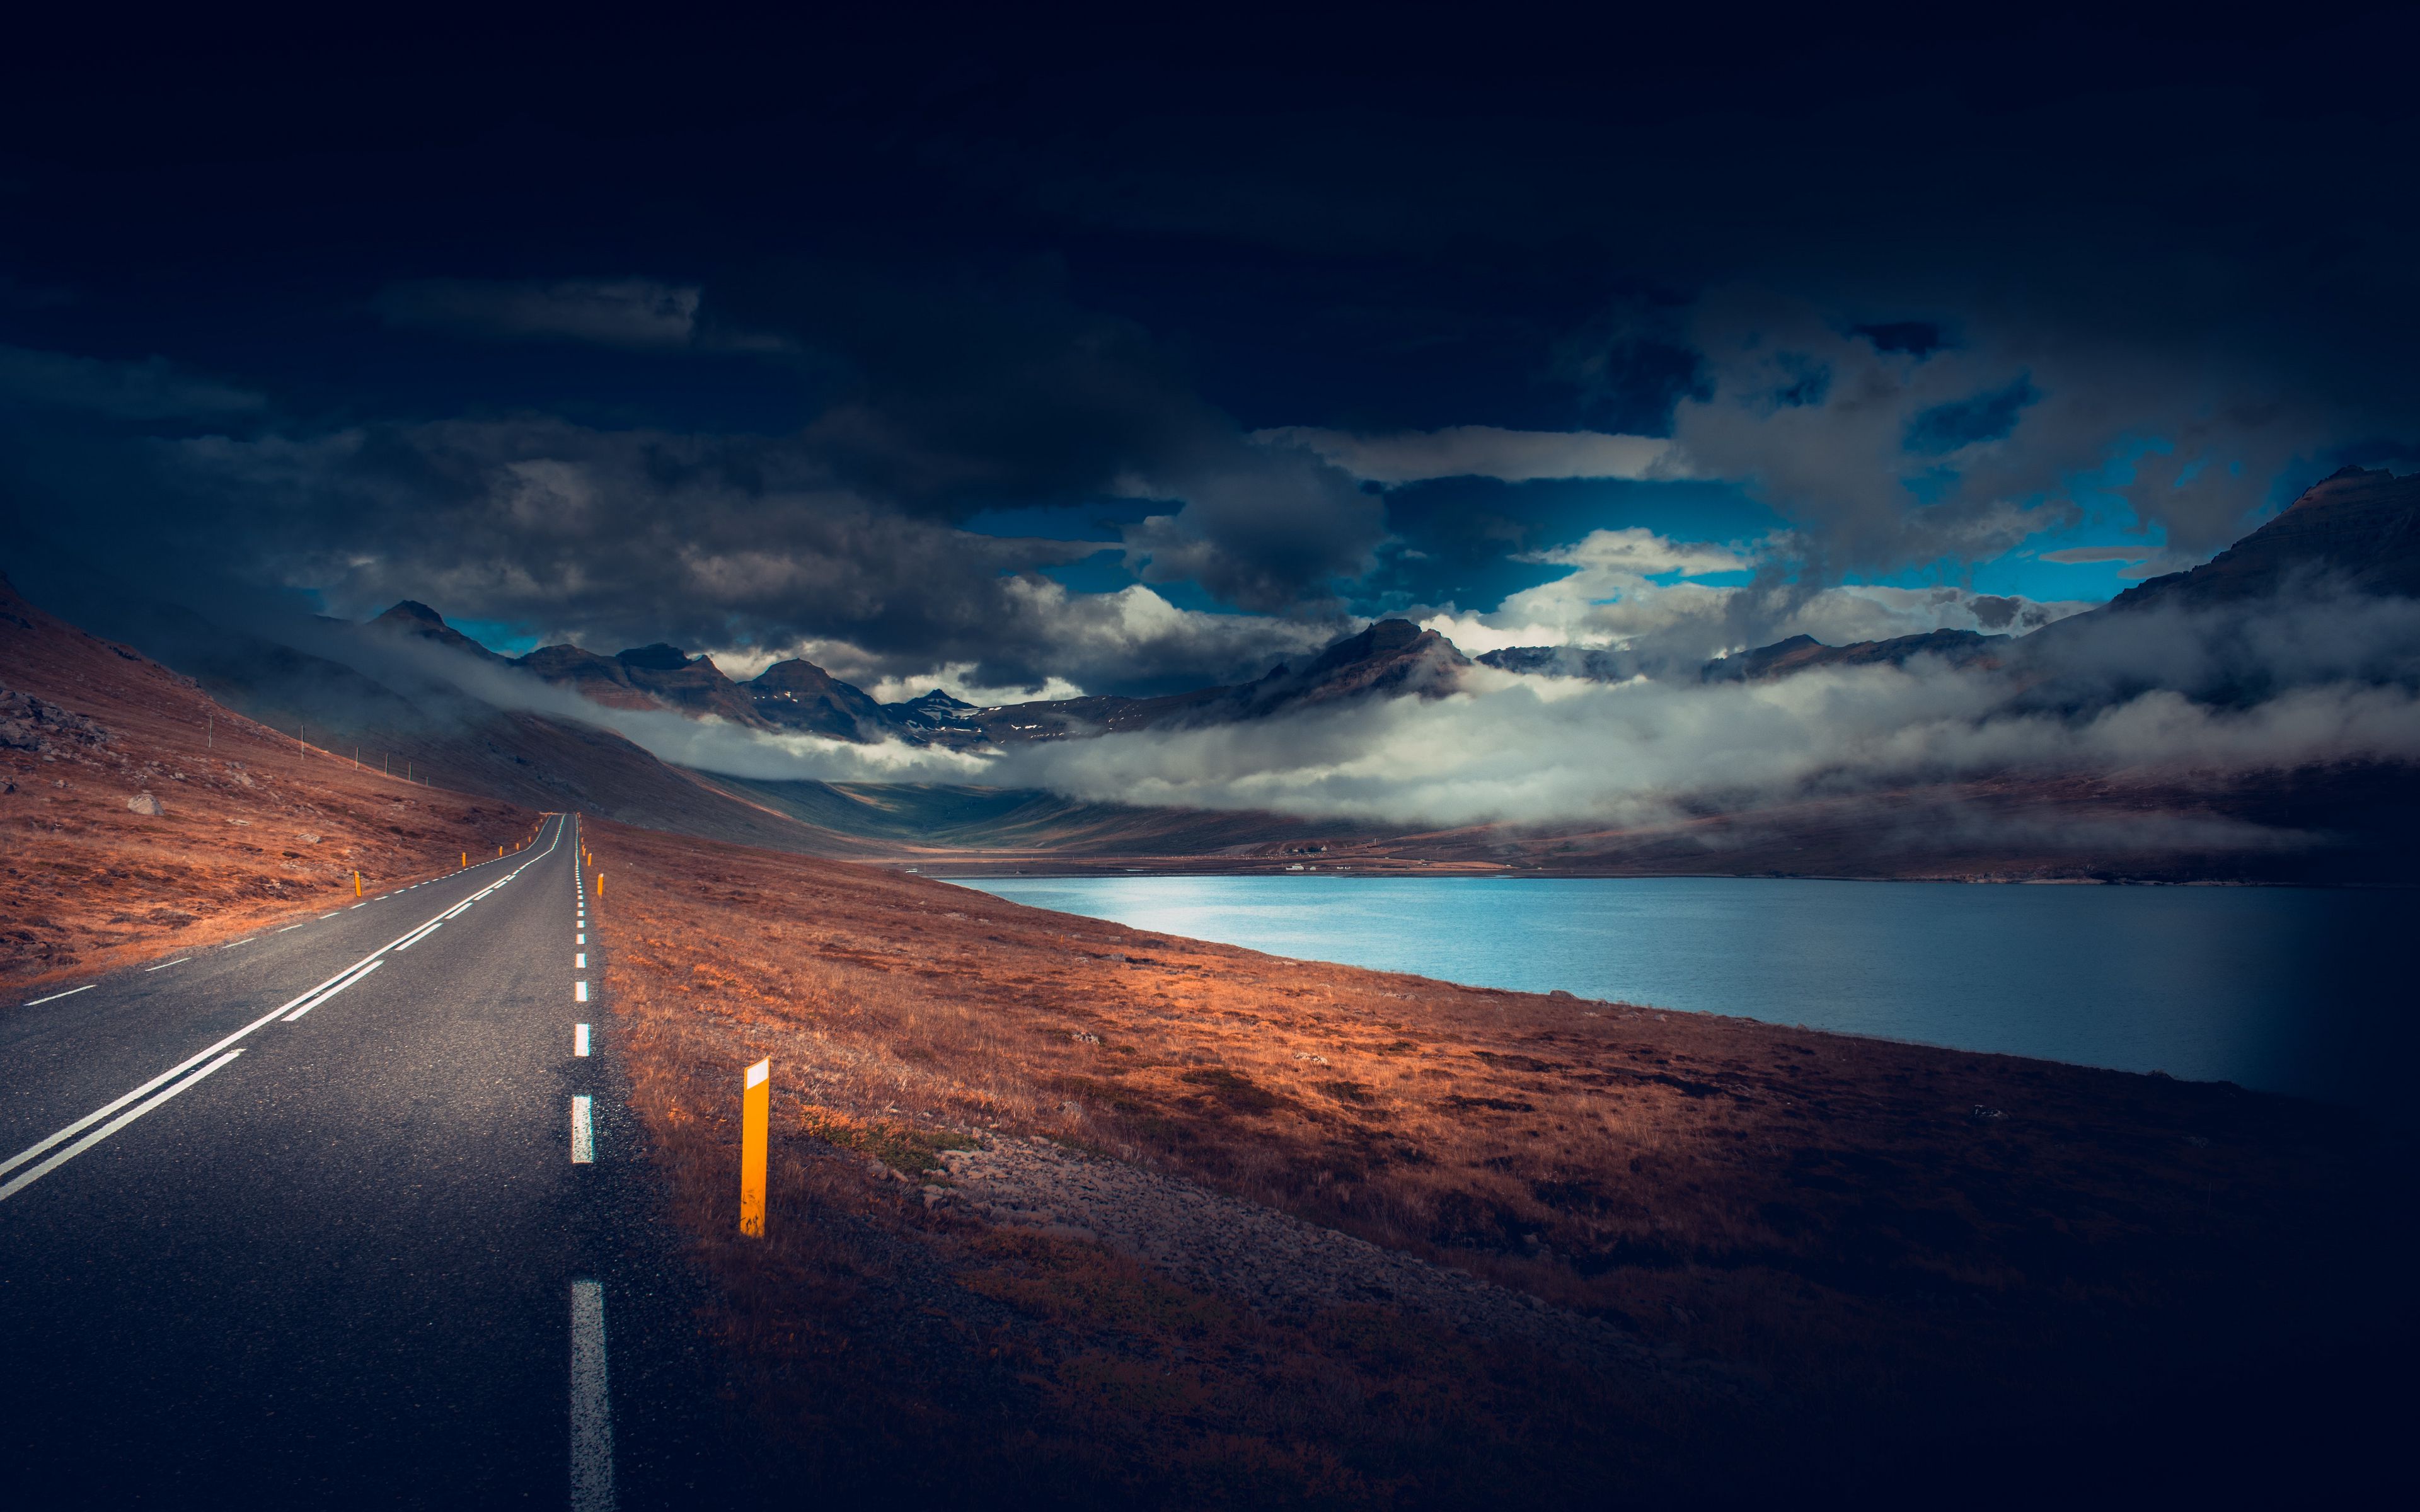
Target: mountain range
{"type": "Point", "coordinates": [2360, 529]}
{"type": "Point", "coordinates": [457, 718]}
{"type": "Point", "coordinates": [1390, 656]}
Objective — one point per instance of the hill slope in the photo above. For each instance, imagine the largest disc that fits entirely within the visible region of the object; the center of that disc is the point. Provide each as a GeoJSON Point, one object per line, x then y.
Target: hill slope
{"type": "Point", "coordinates": [135, 810]}
{"type": "Point", "coordinates": [400, 712]}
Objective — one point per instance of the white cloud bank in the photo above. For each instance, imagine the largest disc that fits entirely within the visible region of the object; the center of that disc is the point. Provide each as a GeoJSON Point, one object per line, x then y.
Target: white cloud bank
{"type": "Point", "coordinates": [1532, 751]}
{"type": "Point", "coordinates": [1528, 749]}
{"type": "Point", "coordinates": [1635, 590]}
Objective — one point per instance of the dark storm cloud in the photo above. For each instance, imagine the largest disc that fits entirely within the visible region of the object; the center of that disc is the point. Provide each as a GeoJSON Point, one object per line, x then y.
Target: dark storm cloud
{"type": "Point", "coordinates": [617, 538]}
{"type": "Point", "coordinates": [954, 392]}
{"type": "Point", "coordinates": [1914, 337]}
{"type": "Point", "coordinates": [2189, 252]}
{"type": "Point", "coordinates": [1918, 293]}
{"type": "Point", "coordinates": [613, 312]}
{"type": "Point", "coordinates": [153, 389]}
{"type": "Point", "coordinates": [944, 395]}
{"type": "Point", "coordinates": [964, 392]}
{"type": "Point", "coordinates": [1264, 527]}
{"type": "Point", "coordinates": [1962, 423]}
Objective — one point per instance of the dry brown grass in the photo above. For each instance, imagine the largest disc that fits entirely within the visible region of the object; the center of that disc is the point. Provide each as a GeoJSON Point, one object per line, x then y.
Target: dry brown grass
{"type": "Point", "coordinates": [253, 828]}
{"type": "Point", "coordinates": [1828, 1213]}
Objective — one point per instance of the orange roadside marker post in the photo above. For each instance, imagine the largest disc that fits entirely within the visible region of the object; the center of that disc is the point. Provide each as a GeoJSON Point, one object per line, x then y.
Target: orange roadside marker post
{"type": "Point", "coordinates": [601, 884]}
{"type": "Point", "coordinates": [357, 884]}
{"type": "Point", "coordinates": [755, 1123]}
{"type": "Point", "coordinates": [466, 860]}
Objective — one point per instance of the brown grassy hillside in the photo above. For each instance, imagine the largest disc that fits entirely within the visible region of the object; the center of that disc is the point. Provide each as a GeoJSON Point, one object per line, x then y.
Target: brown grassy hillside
{"type": "Point", "coordinates": [241, 825]}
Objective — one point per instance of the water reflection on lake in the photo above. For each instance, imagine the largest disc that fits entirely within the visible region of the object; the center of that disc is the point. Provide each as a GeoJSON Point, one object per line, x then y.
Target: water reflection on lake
{"type": "Point", "coordinates": [2290, 990]}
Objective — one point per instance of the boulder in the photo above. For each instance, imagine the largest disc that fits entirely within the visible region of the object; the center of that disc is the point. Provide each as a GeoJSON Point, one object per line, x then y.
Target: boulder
{"type": "Point", "coordinates": [144, 804]}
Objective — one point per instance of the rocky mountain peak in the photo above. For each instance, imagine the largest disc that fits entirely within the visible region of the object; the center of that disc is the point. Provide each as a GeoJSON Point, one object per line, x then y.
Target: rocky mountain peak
{"type": "Point", "coordinates": [417, 620]}
{"type": "Point", "coordinates": [659, 657]}
{"type": "Point", "coordinates": [796, 676]}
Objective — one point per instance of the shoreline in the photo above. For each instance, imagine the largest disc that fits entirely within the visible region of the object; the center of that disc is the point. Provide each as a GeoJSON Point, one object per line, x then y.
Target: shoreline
{"type": "Point", "coordinates": [2058, 982]}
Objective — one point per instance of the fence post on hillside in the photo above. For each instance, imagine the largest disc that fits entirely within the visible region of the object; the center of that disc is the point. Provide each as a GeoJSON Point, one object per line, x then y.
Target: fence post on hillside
{"type": "Point", "coordinates": [756, 1133]}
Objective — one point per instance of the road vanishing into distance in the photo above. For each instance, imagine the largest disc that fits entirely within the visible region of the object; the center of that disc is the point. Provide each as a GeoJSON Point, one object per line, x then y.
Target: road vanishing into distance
{"type": "Point", "coordinates": [344, 1214]}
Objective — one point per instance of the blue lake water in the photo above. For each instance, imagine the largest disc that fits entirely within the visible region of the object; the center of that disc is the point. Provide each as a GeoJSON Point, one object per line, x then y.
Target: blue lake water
{"type": "Point", "coordinates": [2290, 990]}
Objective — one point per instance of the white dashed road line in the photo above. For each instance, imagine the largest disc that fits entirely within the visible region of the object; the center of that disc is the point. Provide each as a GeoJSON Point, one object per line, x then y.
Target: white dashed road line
{"type": "Point", "coordinates": [583, 1132]}
{"type": "Point", "coordinates": [591, 1406]}
{"type": "Point", "coordinates": [55, 996]}
{"type": "Point", "coordinates": [580, 1039]}
{"type": "Point", "coordinates": [165, 965]}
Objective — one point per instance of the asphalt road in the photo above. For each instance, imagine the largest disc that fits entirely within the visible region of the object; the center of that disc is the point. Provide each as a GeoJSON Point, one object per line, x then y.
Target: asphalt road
{"type": "Point", "coordinates": [352, 1257]}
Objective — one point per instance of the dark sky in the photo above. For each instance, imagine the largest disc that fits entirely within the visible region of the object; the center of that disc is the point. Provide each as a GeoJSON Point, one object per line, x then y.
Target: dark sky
{"type": "Point", "coordinates": [1144, 350]}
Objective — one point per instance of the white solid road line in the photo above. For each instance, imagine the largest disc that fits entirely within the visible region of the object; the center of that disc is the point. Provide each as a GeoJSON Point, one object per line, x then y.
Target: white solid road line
{"type": "Point", "coordinates": [583, 1132]}
{"type": "Point", "coordinates": [20, 1183]}
{"type": "Point", "coordinates": [334, 991]}
{"type": "Point", "coordinates": [55, 996]}
{"type": "Point", "coordinates": [592, 1403]}
{"type": "Point", "coordinates": [165, 965]}
{"type": "Point", "coordinates": [33, 1150]}
{"type": "Point", "coordinates": [580, 1039]}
